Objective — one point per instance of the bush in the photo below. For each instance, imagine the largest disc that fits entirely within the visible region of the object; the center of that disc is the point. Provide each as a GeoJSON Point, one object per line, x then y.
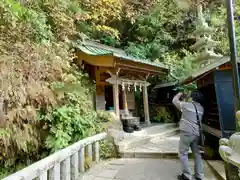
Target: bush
{"type": "Point", "coordinates": [74, 120]}
{"type": "Point", "coordinates": [108, 150]}
{"type": "Point", "coordinates": [160, 113]}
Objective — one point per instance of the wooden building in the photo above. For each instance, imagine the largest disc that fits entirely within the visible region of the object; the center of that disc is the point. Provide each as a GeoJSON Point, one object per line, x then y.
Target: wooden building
{"type": "Point", "coordinates": [117, 76]}
{"type": "Point", "coordinates": [164, 94]}
{"type": "Point", "coordinates": [214, 81]}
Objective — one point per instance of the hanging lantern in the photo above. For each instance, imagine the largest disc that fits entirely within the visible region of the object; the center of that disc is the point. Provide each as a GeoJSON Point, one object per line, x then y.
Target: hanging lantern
{"type": "Point", "coordinates": [140, 88]}
{"type": "Point", "coordinates": [135, 86]}
{"type": "Point", "coordinates": [123, 86]}
{"type": "Point", "coordinates": [129, 86]}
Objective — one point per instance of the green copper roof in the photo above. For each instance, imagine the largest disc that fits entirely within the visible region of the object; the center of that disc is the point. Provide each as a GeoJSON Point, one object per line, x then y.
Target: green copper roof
{"type": "Point", "coordinates": [96, 49]}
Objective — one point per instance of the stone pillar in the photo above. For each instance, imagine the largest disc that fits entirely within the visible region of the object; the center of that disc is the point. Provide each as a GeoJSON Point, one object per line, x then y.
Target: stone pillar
{"type": "Point", "coordinates": [146, 107]}
{"type": "Point", "coordinates": [116, 99]}
{"type": "Point", "coordinates": [125, 105]}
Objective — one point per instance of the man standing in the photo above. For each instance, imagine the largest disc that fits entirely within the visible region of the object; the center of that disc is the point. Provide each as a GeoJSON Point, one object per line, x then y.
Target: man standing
{"type": "Point", "coordinates": [192, 112]}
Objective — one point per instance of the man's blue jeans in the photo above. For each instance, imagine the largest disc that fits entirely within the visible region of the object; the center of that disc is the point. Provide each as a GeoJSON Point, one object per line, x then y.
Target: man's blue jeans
{"type": "Point", "coordinates": [186, 141]}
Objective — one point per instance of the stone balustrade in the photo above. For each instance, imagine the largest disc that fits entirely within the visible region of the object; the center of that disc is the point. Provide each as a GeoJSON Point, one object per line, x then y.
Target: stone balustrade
{"type": "Point", "coordinates": [65, 164]}
{"type": "Point", "coordinates": [230, 149]}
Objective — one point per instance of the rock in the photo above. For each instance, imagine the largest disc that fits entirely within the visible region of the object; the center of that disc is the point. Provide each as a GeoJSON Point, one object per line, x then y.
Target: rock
{"type": "Point", "coordinates": [114, 130]}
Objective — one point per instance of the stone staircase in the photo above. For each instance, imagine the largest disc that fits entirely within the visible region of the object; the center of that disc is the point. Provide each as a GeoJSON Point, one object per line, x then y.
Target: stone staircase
{"type": "Point", "coordinates": [217, 167]}
{"type": "Point", "coordinates": [147, 135]}
{"type": "Point", "coordinates": [160, 142]}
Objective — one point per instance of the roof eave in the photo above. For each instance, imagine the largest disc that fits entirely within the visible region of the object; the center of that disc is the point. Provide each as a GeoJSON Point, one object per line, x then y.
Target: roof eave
{"type": "Point", "coordinates": [208, 69]}
{"type": "Point", "coordinates": [140, 61]}
{"type": "Point", "coordinates": [163, 85]}
{"type": "Point", "coordinates": [119, 53]}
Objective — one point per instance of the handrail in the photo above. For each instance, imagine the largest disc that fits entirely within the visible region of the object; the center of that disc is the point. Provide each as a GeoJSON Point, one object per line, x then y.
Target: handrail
{"type": "Point", "coordinates": [67, 163]}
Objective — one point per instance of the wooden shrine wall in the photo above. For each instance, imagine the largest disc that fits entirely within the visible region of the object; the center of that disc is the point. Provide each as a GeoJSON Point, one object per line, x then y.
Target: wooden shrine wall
{"type": "Point", "coordinates": [131, 100]}
{"type": "Point", "coordinates": [100, 97]}
{"type": "Point", "coordinates": [205, 80]}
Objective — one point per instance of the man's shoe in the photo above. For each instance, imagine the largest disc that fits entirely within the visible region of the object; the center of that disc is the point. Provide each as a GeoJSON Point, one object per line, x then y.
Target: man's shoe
{"type": "Point", "coordinates": [182, 177]}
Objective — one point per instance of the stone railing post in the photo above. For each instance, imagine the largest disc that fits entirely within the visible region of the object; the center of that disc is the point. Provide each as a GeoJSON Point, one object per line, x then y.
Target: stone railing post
{"type": "Point", "coordinates": [66, 164]}
{"type": "Point", "coordinates": [82, 160]}
{"type": "Point", "coordinates": [66, 169]}
{"type": "Point", "coordinates": [55, 172]}
{"type": "Point", "coordinates": [74, 166]}
{"type": "Point", "coordinates": [96, 151]}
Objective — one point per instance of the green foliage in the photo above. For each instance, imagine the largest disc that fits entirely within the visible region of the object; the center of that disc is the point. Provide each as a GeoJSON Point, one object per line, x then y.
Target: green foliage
{"type": "Point", "coordinates": [45, 101]}
{"type": "Point", "coordinates": [68, 125]}
{"type": "Point", "coordinates": [108, 150]}
{"type": "Point", "coordinates": [139, 104]}
{"type": "Point", "coordinates": [161, 114]}
{"type": "Point", "coordinates": [180, 67]}
{"type": "Point", "coordinates": [74, 120]}
{"type": "Point", "coordinates": [7, 171]}
{"type": "Point", "coordinates": [36, 21]}
{"type": "Point", "coordinates": [97, 19]}
{"type": "Point", "coordinates": [159, 31]}
{"type": "Point", "coordinates": [218, 19]}
{"type": "Point", "coordinates": [152, 32]}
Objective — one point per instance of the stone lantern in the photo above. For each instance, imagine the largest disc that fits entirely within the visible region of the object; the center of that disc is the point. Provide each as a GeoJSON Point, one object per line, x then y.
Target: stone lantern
{"type": "Point", "coordinates": [204, 44]}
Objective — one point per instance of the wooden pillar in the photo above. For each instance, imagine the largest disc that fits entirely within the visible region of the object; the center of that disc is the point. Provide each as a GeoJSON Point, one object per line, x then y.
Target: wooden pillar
{"type": "Point", "coordinates": [146, 107]}
{"type": "Point", "coordinates": [116, 99]}
{"type": "Point", "coordinates": [125, 105]}
{"type": "Point", "coordinates": [100, 92]}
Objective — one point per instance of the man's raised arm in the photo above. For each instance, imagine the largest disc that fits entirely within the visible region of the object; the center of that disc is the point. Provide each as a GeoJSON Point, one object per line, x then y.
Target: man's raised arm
{"type": "Point", "coordinates": [176, 101]}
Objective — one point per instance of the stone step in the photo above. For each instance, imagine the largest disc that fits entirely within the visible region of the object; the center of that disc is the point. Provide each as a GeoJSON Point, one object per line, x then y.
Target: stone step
{"type": "Point", "coordinates": [217, 167]}
{"type": "Point", "coordinates": [163, 135]}
{"type": "Point", "coordinates": [161, 148]}
{"type": "Point", "coordinates": [150, 130]}
{"type": "Point", "coordinates": [138, 140]}
{"type": "Point", "coordinates": [155, 128]}
{"type": "Point", "coordinates": [153, 154]}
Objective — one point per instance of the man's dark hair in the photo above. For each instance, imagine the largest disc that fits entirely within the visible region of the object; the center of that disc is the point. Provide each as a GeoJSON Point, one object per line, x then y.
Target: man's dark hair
{"type": "Point", "coordinates": [197, 97]}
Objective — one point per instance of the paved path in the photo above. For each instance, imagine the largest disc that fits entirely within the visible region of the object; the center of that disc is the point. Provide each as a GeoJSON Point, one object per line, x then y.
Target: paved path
{"type": "Point", "coordinates": [158, 148]}
{"type": "Point", "coordinates": [168, 145]}
{"type": "Point", "coordinates": [139, 169]}
{"type": "Point", "coordinates": [145, 162]}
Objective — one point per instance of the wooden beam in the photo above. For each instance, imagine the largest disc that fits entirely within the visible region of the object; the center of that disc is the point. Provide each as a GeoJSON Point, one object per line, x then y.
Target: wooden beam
{"type": "Point", "coordinates": [105, 69]}
{"type": "Point", "coordinates": [134, 73]}
{"type": "Point", "coordinates": [140, 70]}
{"type": "Point", "coordinates": [116, 99]}
{"type": "Point", "coordinates": [142, 66]}
{"type": "Point", "coordinates": [114, 79]}
{"type": "Point", "coordinates": [104, 61]}
{"type": "Point", "coordinates": [147, 76]}
{"type": "Point", "coordinates": [118, 71]}
{"type": "Point", "coordinates": [125, 104]}
{"type": "Point", "coordinates": [110, 73]}
{"type": "Point", "coordinates": [145, 103]}
{"type": "Point", "coordinates": [97, 72]}
{"type": "Point", "coordinates": [104, 83]}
